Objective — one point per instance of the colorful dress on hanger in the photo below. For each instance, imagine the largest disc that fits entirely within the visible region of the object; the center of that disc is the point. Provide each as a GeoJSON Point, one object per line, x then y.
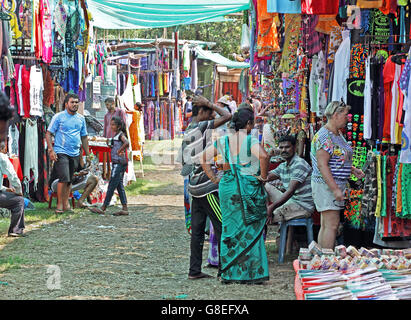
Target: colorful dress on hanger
{"type": "Point", "coordinates": [267, 41]}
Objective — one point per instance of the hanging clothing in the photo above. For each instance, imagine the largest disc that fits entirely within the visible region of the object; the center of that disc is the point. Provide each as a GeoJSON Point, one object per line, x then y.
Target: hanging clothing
{"type": "Point", "coordinates": [310, 40]}
{"type": "Point", "coordinates": [267, 41]}
{"type": "Point", "coordinates": [31, 151]}
{"type": "Point", "coordinates": [342, 70]}
{"type": "Point", "coordinates": [288, 62]}
{"type": "Point", "coordinates": [406, 189]}
{"type": "Point", "coordinates": [36, 91]}
{"type": "Point", "coordinates": [25, 86]}
{"type": "Point", "coordinates": [40, 192]}
{"type": "Point", "coordinates": [367, 101]}
{"type": "Point", "coordinates": [13, 144]}
{"type": "Point", "coordinates": [368, 4]}
{"type": "Point", "coordinates": [45, 16]}
{"type": "Point", "coordinates": [319, 7]}
{"type": "Point", "coordinates": [317, 99]}
{"type": "Point", "coordinates": [284, 6]}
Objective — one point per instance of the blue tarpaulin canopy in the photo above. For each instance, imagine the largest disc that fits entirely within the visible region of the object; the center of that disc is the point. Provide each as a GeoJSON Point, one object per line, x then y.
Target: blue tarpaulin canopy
{"type": "Point", "coordinates": [141, 14]}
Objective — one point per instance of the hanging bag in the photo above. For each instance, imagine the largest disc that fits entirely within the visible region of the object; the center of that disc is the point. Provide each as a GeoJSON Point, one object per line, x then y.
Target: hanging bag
{"type": "Point", "coordinates": [253, 200]}
{"type": "Point", "coordinates": [245, 38]}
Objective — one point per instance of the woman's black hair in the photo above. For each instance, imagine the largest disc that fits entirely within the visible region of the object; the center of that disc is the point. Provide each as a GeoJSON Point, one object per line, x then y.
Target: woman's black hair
{"type": "Point", "coordinates": [6, 111]}
{"type": "Point", "coordinates": [120, 124]}
{"type": "Point", "coordinates": [241, 117]}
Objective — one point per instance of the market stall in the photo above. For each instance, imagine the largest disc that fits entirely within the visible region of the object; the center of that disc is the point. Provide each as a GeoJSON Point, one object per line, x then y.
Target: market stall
{"type": "Point", "coordinates": [305, 54]}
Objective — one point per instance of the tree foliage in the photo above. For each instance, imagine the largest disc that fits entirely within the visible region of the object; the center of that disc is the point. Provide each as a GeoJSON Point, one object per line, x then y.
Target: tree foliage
{"type": "Point", "coordinates": [226, 35]}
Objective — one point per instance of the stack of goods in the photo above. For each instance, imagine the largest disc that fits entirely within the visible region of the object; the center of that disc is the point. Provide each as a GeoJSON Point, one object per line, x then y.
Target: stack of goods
{"type": "Point", "coordinates": [360, 284]}
{"type": "Point", "coordinates": [342, 258]}
{"type": "Point", "coordinates": [324, 285]}
{"type": "Point", "coordinates": [400, 282]}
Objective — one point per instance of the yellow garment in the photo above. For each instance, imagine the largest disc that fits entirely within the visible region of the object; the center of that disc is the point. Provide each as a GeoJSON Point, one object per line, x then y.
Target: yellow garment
{"type": "Point", "coordinates": [369, 4]}
{"type": "Point", "coordinates": [292, 31]}
{"type": "Point", "coordinates": [398, 133]}
{"type": "Point", "coordinates": [160, 84]}
{"type": "Point", "coordinates": [326, 24]}
{"type": "Point", "coordinates": [399, 195]}
{"type": "Point", "coordinates": [303, 104]}
{"type": "Point", "coordinates": [379, 191]}
{"type": "Point", "coordinates": [14, 25]}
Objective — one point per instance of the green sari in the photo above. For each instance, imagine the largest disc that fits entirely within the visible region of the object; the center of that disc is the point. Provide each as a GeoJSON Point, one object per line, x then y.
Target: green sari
{"type": "Point", "coordinates": [243, 256]}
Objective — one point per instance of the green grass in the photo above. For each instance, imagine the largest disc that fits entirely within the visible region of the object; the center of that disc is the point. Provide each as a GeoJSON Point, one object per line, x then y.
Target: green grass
{"type": "Point", "coordinates": [12, 262]}
{"type": "Point", "coordinates": [41, 215]}
{"type": "Point", "coordinates": [145, 185]}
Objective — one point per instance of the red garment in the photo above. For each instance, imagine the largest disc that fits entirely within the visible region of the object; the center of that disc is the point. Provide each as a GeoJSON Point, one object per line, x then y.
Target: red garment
{"type": "Point", "coordinates": [25, 84]}
{"type": "Point", "coordinates": [319, 7]}
{"type": "Point", "coordinates": [393, 7]}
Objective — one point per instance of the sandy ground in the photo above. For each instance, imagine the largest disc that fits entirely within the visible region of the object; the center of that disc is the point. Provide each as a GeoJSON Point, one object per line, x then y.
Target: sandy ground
{"type": "Point", "coordinates": [141, 256]}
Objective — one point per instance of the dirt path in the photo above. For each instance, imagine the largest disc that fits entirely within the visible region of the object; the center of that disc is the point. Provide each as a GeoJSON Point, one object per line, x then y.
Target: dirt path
{"type": "Point", "coordinates": [142, 256]}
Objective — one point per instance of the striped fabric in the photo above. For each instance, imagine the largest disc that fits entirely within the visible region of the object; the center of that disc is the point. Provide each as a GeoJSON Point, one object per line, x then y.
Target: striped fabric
{"type": "Point", "coordinates": [215, 205]}
{"type": "Point", "coordinates": [341, 156]}
{"type": "Point", "coordinates": [298, 170]}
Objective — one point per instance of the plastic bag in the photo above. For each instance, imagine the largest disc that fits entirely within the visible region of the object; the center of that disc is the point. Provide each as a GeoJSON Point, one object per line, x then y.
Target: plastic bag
{"type": "Point", "coordinates": [245, 37]}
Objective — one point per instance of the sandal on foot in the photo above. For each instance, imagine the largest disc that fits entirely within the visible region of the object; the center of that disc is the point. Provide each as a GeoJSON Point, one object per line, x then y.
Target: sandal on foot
{"type": "Point", "coordinates": [58, 211]}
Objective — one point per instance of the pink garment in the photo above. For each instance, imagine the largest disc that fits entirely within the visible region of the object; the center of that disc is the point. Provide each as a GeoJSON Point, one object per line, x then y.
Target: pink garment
{"type": "Point", "coordinates": [16, 86]}
{"type": "Point", "coordinates": [12, 96]}
{"type": "Point", "coordinates": [107, 119]}
{"type": "Point", "coordinates": [46, 21]}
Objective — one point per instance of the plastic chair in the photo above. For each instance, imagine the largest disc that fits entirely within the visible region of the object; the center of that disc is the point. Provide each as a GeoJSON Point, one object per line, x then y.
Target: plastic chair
{"type": "Point", "coordinates": [306, 222]}
{"type": "Point", "coordinates": [54, 195]}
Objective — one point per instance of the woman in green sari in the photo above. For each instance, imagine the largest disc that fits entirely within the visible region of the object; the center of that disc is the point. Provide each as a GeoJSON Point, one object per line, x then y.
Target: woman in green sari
{"type": "Point", "coordinates": [242, 200]}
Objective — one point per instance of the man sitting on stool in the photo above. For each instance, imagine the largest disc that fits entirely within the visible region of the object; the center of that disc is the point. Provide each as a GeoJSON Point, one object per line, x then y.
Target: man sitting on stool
{"type": "Point", "coordinates": [12, 197]}
{"type": "Point", "coordinates": [295, 175]}
{"type": "Point", "coordinates": [83, 179]}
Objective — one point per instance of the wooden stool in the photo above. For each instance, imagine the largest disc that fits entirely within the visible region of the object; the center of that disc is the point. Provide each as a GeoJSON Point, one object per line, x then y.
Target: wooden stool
{"type": "Point", "coordinates": [54, 195]}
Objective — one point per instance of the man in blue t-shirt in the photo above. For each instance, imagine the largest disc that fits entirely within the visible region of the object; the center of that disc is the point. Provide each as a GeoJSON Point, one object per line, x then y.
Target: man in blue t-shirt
{"type": "Point", "coordinates": [70, 134]}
